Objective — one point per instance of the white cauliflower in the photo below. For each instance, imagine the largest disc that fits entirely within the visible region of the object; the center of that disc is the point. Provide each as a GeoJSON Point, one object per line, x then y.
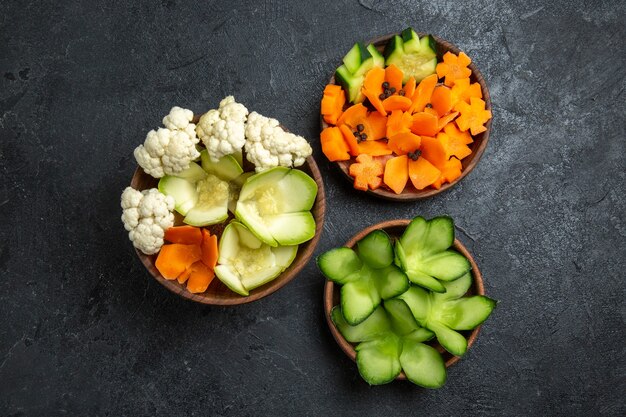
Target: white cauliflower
{"type": "Point", "coordinates": [223, 130]}
{"type": "Point", "coordinates": [178, 119]}
{"type": "Point", "coordinates": [167, 152]}
{"type": "Point", "coordinates": [146, 215]}
{"type": "Point", "coordinates": [268, 145]}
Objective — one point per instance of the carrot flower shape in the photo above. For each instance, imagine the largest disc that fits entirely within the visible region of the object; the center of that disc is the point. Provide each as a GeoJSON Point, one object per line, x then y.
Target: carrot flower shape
{"type": "Point", "coordinates": [454, 67]}
{"type": "Point", "coordinates": [366, 172]}
{"type": "Point", "coordinates": [473, 116]}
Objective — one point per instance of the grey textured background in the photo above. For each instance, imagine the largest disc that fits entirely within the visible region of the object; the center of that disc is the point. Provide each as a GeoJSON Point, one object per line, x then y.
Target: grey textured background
{"type": "Point", "coordinates": [84, 330]}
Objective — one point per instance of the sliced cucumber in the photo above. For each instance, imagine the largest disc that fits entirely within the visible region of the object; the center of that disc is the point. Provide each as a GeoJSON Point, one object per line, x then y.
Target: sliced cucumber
{"type": "Point", "coordinates": [376, 324]}
{"type": "Point", "coordinates": [422, 364]}
{"type": "Point", "coordinates": [375, 249]}
{"type": "Point", "coordinates": [359, 299]}
{"type": "Point", "coordinates": [418, 301]}
{"type": "Point", "coordinates": [415, 57]}
{"type": "Point", "coordinates": [351, 84]}
{"type": "Point", "coordinates": [420, 335]}
{"type": "Point", "coordinates": [192, 174]}
{"type": "Point", "coordinates": [339, 264]}
{"type": "Point", "coordinates": [378, 360]}
{"type": "Point", "coordinates": [183, 192]}
{"type": "Point", "coordinates": [446, 266]}
{"type": "Point", "coordinates": [284, 255]}
{"type": "Point", "coordinates": [206, 216]}
{"type": "Point", "coordinates": [451, 340]}
{"type": "Point", "coordinates": [390, 281]}
{"type": "Point", "coordinates": [275, 205]}
{"type": "Point", "coordinates": [426, 281]}
{"type": "Point", "coordinates": [402, 320]}
{"type": "Point", "coordinates": [466, 313]}
{"type": "Point", "coordinates": [379, 59]}
{"type": "Point", "coordinates": [358, 60]}
{"type": "Point", "coordinates": [454, 289]}
{"type": "Point", "coordinates": [260, 278]}
{"type": "Point", "coordinates": [227, 168]}
{"type": "Point", "coordinates": [212, 204]}
{"type": "Point", "coordinates": [229, 277]}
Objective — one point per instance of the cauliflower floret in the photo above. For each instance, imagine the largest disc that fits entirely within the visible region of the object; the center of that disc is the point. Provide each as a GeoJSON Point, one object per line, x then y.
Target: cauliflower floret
{"type": "Point", "coordinates": [268, 145]}
{"type": "Point", "coordinates": [167, 151]}
{"type": "Point", "coordinates": [223, 130]}
{"type": "Point", "coordinates": [146, 215]}
{"type": "Point", "coordinates": [178, 119]}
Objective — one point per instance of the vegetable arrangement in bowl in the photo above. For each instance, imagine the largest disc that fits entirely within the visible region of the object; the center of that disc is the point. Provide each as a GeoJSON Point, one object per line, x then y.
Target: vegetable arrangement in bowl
{"type": "Point", "coordinates": [234, 196]}
{"type": "Point", "coordinates": [405, 117]}
{"type": "Point", "coordinates": [401, 300]}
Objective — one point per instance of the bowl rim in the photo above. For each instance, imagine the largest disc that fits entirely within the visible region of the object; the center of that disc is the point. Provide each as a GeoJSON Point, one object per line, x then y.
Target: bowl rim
{"type": "Point", "coordinates": [329, 288]}
{"type": "Point", "coordinates": [318, 211]}
{"type": "Point", "coordinates": [342, 166]}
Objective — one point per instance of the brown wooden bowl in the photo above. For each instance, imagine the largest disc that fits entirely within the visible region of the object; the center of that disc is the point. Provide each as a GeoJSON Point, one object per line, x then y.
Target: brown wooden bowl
{"type": "Point", "coordinates": [410, 193]}
{"type": "Point", "coordinates": [395, 228]}
{"type": "Point", "coordinates": [218, 293]}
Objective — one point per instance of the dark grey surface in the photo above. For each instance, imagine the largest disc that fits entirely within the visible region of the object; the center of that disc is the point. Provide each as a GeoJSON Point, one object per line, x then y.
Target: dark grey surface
{"type": "Point", "coordinates": [84, 330]}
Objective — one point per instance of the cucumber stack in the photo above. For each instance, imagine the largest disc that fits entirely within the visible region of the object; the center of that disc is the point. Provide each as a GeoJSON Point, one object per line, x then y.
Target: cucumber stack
{"type": "Point", "coordinates": [393, 301]}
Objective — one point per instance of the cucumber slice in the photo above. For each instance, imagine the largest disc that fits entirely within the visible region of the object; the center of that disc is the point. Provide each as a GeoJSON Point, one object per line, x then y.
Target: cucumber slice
{"type": "Point", "coordinates": [422, 364]}
{"type": "Point", "coordinates": [183, 192]}
{"type": "Point", "coordinates": [376, 324]}
{"type": "Point", "coordinates": [418, 301]}
{"type": "Point", "coordinates": [246, 237]}
{"type": "Point", "coordinates": [390, 282]}
{"type": "Point", "coordinates": [358, 60]}
{"type": "Point", "coordinates": [262, 277]}
{"type": "Point", "coordinates": [401, 317]}
{"type": "Point", "coordinates": [451, 340]}
{"type": "Point", "coordinates": [446, 266]}
{"type": "Point", "coordinates": [359, 299]}
{"type": "Point", "coordinates": [426, 281]}
{"type": "Point", "coordinates": [465, 313]}
{"type": "Point", "coordinates": [339, 264]}
{"type": "Point", "coordinates": [284, 255]}
{"type": "Point", "coordinates": [379, 59]}
{"type": "Point", "coordinates": [351, 83]}
{"type": "Point", "coordinates": [454, 289]}
{"type": "Point", "coordinates": [378, 360]}
{"type": "Point", "coordinates": [212, 204]}
{"type": "Point", "coordinates": [229, 277]}
{"type": "Point", "coordinates": [238, 155]}
{"type": "Point", "coordinates": [417, 58]}
{"type": "Point", "coordinates": [227, 168]}
{"type": "Point", "coordinates": [192, 174]}
{"type": "Point", "coordinates": [420, 335]}
{"type": "Point", "coordinates": [375, 249]}
{"type": "Point", "coordinates": [275, 205]}
{"type": "Point", "coordinates": [205, 216]}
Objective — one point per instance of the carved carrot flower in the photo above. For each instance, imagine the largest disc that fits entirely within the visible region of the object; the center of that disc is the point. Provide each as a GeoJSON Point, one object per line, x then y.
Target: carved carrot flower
{"type": "Point", "coordinates": [366, 172]}
{"type": "Point", "coordinates": [473, 116]}
{"type": "Point", "coordinates": [454, 67]}
{"type": "Point", "coordinates": [463, 90]}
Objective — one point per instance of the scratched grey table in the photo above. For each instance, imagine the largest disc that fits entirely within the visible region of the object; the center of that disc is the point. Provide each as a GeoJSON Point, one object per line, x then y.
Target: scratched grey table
{"type": "Point", "coordinates": [84, 330]}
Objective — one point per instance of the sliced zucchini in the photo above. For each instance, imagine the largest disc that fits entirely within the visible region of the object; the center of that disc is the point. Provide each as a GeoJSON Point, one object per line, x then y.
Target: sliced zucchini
{"type": "Point", "coordinates": [229, 277]}
{"type": "Point", "coordinates": [420, 335]}
{"type": "Point", "coordinates": [351, 84]}
{"type": "Point", "coordinates": [339, 264]}
{"type": "Point", "coordinates": [193, 174]}
{"type": "Point", "coordinates": [358, 60]}
{"type": "Point", "coordinates": [227, 168]}
{"type": "Point", "coordinates": [426, 281]}
{"type": "Point", "coordinates": [205, 216]}
{"type": "Point", "coordinates": [291, 228]}
{"type": "Point", "coordinates": [183, 192]}
{"type": "Point", "coordinates": [261, 277]}
{"type": "Point", "coordinates": [454, 289]}
{"type": "Point", "coordinates": [422, 364]}
{"type": "Point", "coordinates": [378, 360]}
{"type": "Point", "coordinates": [284, 255]}
{"type": "Point", "coordinates": [212, 204]}
{"type": "Point", "coordinates": [375, 325]}
{"type": "Point", "coordinates": [375, 249]}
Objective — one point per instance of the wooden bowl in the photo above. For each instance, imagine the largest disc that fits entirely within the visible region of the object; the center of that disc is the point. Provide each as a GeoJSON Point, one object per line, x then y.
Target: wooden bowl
{"type": "Point", "coordinates": [218, 293]}
{"type": "Point", "coordinates": [410, 193]}
{"type": "Point", "coordinates": [395, 228]}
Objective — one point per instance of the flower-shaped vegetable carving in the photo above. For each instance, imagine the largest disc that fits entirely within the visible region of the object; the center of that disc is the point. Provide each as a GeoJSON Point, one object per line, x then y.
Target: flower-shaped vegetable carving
{"type": "Point", "coordinates": [444, 313]}
{"type": "Point", "coordinates": [423, 253]}
{"type": "Point", "coordinates": [367, 276]}
{"type": "Point", "coordinates": [390, 341]}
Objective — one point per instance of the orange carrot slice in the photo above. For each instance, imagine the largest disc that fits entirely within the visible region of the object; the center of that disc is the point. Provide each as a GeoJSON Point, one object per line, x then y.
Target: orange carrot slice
{"type": "Point", "coordinates": [373, 88]}
{"type": "Point", "coordinates": [200, 278]}
{"type": "Point", "coordinates": [333, 145]}
{"type": "Point", "coordinates": [409, 87]}
{"type": "Point", "coordinates": [175, 258]}
{"type": "Point", "coordinates": [453, 146]}
{"type": "Point", "coordinates": [394, 75]}
{"type": "Point", "coordinates": [464, 91]}
{"type": "Point", "coordinates": [443, 121]}
{"type": "Point", "coordinates": [434, 152]}
{"type": "Point", "coordinates": [366, 172]}
{"type": "Point", "coordinates": [182, 278]}
{"type": "Point", "coordinates": [374, 148]}
{"type": "Point", "coordinates": [425, 124]}
{"type": "Point", "coordinates": [452, 130]}
{"type": "Point", "coordinates": [422, 173]}
{"type": "Point", "coordinates": [453, 67]}
{"type": "Point", "coordinates": [396, 173]}
{"type": "Point", "coordinates": [375, 126]}
{"type": "Point", "coordinates": [348, 137]}
{"type": "Point", "coordinates": [451, 171]}
{"type": "Point", "coordinates": [209, 249]}
{"type": "Point", "coordinates": [423, 92]}
{"type": "Point", "coordinates": [332, 103]}
{"type": "Point", "coordinates": [187, 235]}
{"type": "Point", "coordinates": [353, 115]}
{"type": "Point", "coordinates": [473, 116]}
{"type": "Point", "coordinates": [441, 99]}
{"type": "Point", "coordinates": [404, 143]}
{"type": "Point", "coordinates": [396, 102]}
